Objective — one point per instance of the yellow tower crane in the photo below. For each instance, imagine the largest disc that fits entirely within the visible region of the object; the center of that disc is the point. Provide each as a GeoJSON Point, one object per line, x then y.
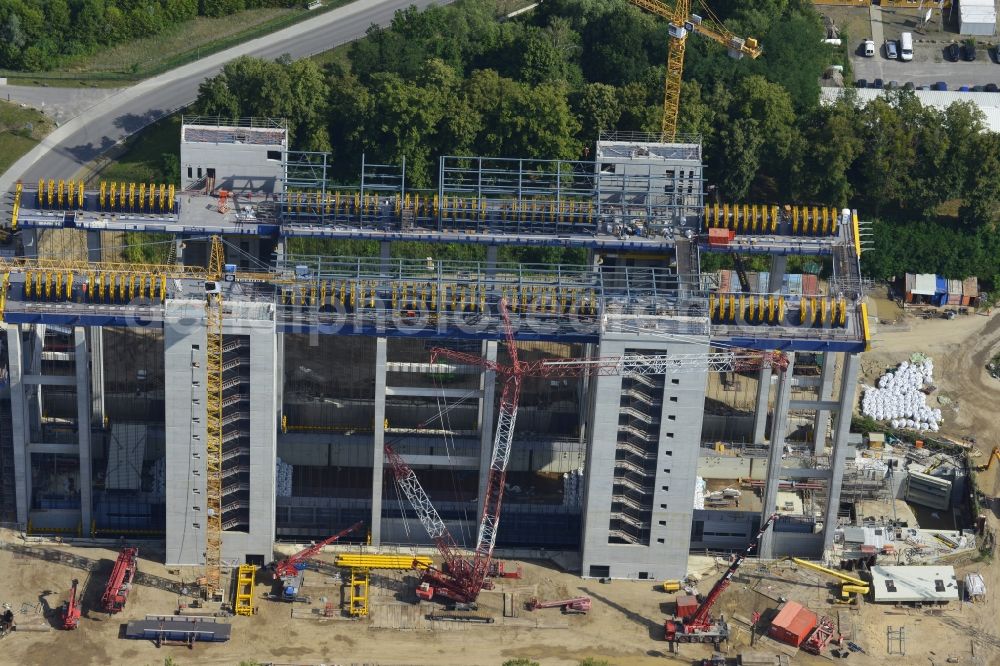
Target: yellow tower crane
{"type": "Point", "coordinates": [681, 23]}
{"type": "Point", "coordinates": [213, 421]}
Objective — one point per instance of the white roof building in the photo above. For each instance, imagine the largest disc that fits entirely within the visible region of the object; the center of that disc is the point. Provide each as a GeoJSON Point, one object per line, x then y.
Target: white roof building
{"type": "Point", "coordinates": [977, 17]}
{"type": "Point", "coordinates": [914, 584]}
{"type": "Point", "coordinates": [988, 103]}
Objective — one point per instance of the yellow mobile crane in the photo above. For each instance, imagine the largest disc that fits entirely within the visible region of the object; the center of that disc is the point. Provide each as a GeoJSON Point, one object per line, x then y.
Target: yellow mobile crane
{"type": "Point", "coordinates": [849, 585]}
{"type": "Point", "coordinates": [682, 22]}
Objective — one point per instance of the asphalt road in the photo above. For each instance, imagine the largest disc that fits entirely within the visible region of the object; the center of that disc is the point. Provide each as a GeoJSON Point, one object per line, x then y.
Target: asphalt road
{"type": "Point", "coordinates": [58, 103]}
{"type": "Point", "coordinates": [83, 138]}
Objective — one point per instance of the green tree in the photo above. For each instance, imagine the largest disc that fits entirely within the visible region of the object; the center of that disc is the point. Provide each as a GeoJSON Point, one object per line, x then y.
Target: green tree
{"type": "Point", "coordinates": [743, 138]}
{"type": "Point", "coordinates": [981, 191]}
{"type": "Point", "coordinates": [598, 109]}
{"type": "Point", "coordinates": [521, 661]}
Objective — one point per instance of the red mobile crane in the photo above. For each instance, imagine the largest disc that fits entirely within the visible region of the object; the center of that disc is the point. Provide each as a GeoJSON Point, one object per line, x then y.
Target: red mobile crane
{"type": "Point", "coordinates": [461, 579]}
{"type": "Point", "coordinates": [120, 583]}
{"type": "Point", "coordinates": [71, 609]}
{"type": "Point", "coordinates": [290, 570]}
{"type": "Point", "coordinates": [700, 627]}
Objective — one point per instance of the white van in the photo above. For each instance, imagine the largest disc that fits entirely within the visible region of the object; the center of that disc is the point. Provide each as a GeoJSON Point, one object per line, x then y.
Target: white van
{"type": "Point", "coordinates": [906, 46]}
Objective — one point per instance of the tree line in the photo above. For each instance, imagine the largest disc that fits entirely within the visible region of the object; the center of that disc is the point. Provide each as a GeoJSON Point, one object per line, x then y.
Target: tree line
{"type": "Point", "coordinates": [39, 34]}
{"type": "Point", "coordinates": [462, 79]}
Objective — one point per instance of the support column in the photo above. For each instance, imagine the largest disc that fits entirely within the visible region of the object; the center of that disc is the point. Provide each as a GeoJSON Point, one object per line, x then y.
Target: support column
{"type": "Point", "coordinates": [842, 427]}
{"type": "Point", "coordinates": [19, 423]}
{"type": "Point", "coordinates": [760, 411]}
{"type": "Point", "coordinates": [83, 407]}
{"type": "Point", "coordinates": [778, 264]}
{"type": "Point", "coordinates": [94, 246]}
{"type": "Point", "coordinates": [97, 374]}
{"type": "Point", "coordinates": [279, 372]}
{"type": "Point", "coordinates": [378, 453]}
{"type": "Point", "coordinates": [822, 421]}
{"type": "Point", "coordinates": [487, 418]}
{"type": "Point", "coordinates": [779, 428]}
{"type": "Point", "coordinates": [491, 259]}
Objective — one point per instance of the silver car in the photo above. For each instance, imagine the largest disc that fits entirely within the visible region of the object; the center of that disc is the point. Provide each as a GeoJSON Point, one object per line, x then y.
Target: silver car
{"type": "Point", "coordinates": [891, 52]}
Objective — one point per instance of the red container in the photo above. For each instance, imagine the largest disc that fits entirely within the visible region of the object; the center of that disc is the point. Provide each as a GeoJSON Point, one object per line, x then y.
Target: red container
{"type": "Point", "coordinates": [792, 624]}
{"type": "Point", "coordinates": [687, 605]}
{"type": "Point", "coordinates": [810, 285]}
{"type": "Point", "coordinates": [720, 236]}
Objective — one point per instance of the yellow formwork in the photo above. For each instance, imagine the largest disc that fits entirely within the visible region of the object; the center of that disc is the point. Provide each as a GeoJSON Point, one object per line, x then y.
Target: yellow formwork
{"type": "Point", "coordinates": [245, 578]}
{"type": "Point", "coordinates": [380, 561]}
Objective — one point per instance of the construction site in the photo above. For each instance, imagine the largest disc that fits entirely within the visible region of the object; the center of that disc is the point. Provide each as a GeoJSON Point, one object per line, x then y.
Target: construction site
{"type": "Point", "coordinates": [251, 451]}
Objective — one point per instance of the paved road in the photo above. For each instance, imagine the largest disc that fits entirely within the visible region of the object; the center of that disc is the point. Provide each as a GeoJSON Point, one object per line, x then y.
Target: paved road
{"type": "Point", "coordinates": [58, 103]}
{"type": "Point", "coordinates": [85, 137]}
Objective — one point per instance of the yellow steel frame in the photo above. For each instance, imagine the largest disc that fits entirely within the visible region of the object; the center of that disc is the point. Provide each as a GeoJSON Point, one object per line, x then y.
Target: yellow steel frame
{"type": "Point", "coordinates": [17, 206]}
{"type": "Point", "coordinates": [245, 576]}
{"type": "Point", "coordinates": [359, 593]}
{"type": "Point", "coordinates": [213, 423]}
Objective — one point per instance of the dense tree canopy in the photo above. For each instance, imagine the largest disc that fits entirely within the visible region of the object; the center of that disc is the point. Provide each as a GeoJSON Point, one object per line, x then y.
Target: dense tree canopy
{"type": "Point", "coordinates": [37, 34]}
{"type": "Point", "coordinates": [462, 79]}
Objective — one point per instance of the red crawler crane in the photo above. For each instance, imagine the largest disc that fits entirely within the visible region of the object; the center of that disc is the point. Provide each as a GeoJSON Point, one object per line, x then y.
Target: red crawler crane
{"type": "Point", "coordinates": [461, 579]}
{"type": "Point", "coordinates": [700, 627]}
{"type": "Point", "coordinates": [120, 584]}
{"type": "Point", "coordinates": [71, 609]}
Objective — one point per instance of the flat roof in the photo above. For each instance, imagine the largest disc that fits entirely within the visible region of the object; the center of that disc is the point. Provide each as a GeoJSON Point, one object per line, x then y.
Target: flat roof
{"type": "Point", "coordinates": [908, 584]}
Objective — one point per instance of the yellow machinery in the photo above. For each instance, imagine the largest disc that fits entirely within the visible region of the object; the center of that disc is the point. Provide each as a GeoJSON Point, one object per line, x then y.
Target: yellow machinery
{"type": "Point", "coordinates": [373, 561]}
{"type": "Point", "coordinates": [671, 586]}
{"type": "Point", "coordinates": [849, 585]}
{"type": "Point", "coordinates": [359, 593]}
{"type": "Point", "coordinates": [245, 578]}
{"type": "Point", "coordinates": [681, 22]}
{"type": "Point", "coordinates": [994, 455]}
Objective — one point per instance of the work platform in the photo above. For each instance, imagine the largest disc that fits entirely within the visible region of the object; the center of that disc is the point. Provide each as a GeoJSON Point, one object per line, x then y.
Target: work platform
{"type": "Point", "coordinates": [398, 297]}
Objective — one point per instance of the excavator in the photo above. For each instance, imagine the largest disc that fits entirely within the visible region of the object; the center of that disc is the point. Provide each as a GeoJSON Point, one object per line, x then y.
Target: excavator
{"type": "Point", "coordinates": [850, 589]}
{"type": "Point", "coordinates": [994, 455]}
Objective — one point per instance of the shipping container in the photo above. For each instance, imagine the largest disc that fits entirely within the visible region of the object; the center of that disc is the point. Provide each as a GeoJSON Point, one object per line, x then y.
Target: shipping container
{"type": "Point", "coordinates": [954, 292]}
{"type": "Point", "coordinates": [720, 237]}
{"type": "Point", "coordinates": [793, 284]}
{"type": "Point", "coordinates": [793, 624]}
{"type": "Point", "coordinates": [940, 291]}
{"type": "Point", "coordinates": [970, 290]}
{"type": "Point", "coordinates": [687, 605]}
{"type": "Point", "coordinates": [725, 281]}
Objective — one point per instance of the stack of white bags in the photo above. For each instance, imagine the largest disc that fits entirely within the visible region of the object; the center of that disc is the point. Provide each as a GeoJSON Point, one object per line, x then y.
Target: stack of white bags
{"type": "Point", "coordinates": [898, 398]}
{"type": "Point", "coordinates": [700, 489]}
{"type": "Point", "coordinates": [283, 479]}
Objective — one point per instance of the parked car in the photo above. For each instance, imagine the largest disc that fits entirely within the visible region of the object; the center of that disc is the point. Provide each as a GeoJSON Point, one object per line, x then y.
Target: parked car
{"type": "Point", "coordinates": [878, 84]}
{"type": "Point", "coordinates": [909, 86]}
{"type": "Point", "coordinates": [978, 89]}
{"type": "Point", "coordinates": [861, 83]}
{"type": "Point", "coordinates": [963, 89]}
{"type": "Point", "coordinates": [868, 48]}
{"type": "Point", "coordinates": [991, 87]}
{"type": "Point", "coordinates": [892, 85]}
{"type": "Point", "coordinates": [969, 51]}
{"type": "Point", "coordinates": [890, 49]}
{"type": "Point", "coordinates": [951, 52]}
{"type": "Point", "coordinates": [940, 85]}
